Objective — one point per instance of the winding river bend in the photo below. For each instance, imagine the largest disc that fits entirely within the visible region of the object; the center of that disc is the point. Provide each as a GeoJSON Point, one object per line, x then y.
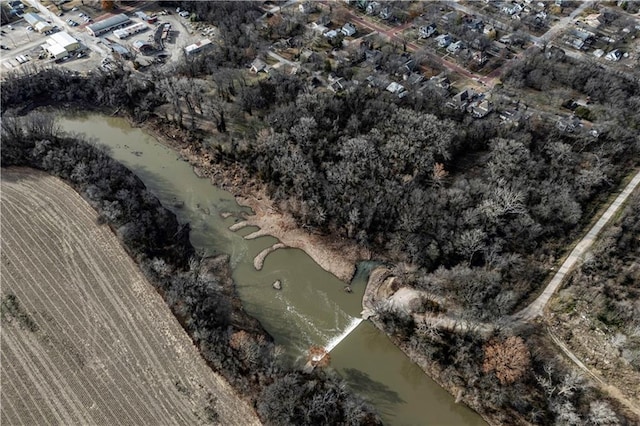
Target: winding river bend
{"type": "Point", "coordinates": [311, 308]}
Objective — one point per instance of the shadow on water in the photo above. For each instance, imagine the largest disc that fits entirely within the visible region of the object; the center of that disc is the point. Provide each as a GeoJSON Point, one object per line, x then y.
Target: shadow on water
{"type": "Point", "coordinates": [376, 390]}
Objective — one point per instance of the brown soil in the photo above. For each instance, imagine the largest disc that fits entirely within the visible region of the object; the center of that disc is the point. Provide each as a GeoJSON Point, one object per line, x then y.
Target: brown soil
{"type": "Point", "coordinates": [101, 346]}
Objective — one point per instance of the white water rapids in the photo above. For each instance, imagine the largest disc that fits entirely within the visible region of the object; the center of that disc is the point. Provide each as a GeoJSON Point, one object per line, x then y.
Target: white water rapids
{"type": "Point", "coordinates": [336, 340]}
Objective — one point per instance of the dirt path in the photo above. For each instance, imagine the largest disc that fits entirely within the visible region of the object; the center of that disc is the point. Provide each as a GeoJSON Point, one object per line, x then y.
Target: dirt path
{"type": "Point", "coordinates": [536, 308]}
{"type": "Point", "coordinates": [610, 389]}
{"type": "Point", "coordinates": [105, 348]}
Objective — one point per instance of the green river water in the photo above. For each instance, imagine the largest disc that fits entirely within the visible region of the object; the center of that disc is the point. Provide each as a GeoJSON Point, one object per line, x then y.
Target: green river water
{"type": "Point", "coordinates": [311, 308]}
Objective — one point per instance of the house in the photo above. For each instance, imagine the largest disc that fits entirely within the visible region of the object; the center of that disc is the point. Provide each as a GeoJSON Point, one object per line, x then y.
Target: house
{"type": "Point", "coordinates": [480, 109]}
{"type": "Point", "coordinates": [568, 125]}
{"type": "Point", "coordinates": [373, 57]}
{"type": "Point", "coordinates": [555, 53]}
{"type": "Point", "coordinates": [331, 34]}
{"type": "Point", "coordinates": [377, 81]}
{"type": "Point", "coordinates": [505, 39]}
{"type": "Point", "coordinates": [480, 57]}
{"type": "Point", "coordinates": [441, 81]}
{"type": "Point", "coordinates": [455, 47]}
{"type": "Point", "coordinates": [474, 23]}
{"type": "Point", "coordinates": [462, 99]}
{"type": "Point", "coordinates": [337, 85]}
{"type": "Point", "coordinates": [200, 46]}
{"type": "Point", "coordinates": [408, 67]}
{"type": "Point", "coordinates": [385, 13]}
{"type": "Point", "coordinates": [348, 29]}
{"type": "Point", "coordinates": [397, 89]}
{"type": "Point", "coordinates": [372, 8]}
{"type": "Point", "coordinates": [426, 31]}
{"type": "Point", "coordinates": [614, 55]}
{"type": "Point", "coordinates": [258, 65]}
{"type": "Point", "coordinates": [444, 40]}
{"type": "Point", "coordinates": [414, 78]}
{"type": "Point", "coordinates": [497, 48]}
{"type": "Point", "coordinates": [512, 9]}
{"type": "Point", "coordinates": [306, 7]}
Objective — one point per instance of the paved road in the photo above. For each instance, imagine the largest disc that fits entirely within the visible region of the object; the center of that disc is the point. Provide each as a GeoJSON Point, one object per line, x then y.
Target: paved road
{"type": "Point", "coordinates": [536, 308]}
{"type": "Point", "coordinates": [561, 24]}
{"type": "Point", "coordinates": [392, 34]}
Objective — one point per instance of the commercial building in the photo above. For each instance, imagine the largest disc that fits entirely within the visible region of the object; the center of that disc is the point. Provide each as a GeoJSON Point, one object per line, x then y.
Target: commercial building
{"type": "Point", "coordinates": [37, 22]}
{"type": "Point", "coordinates": [150, 19]}
{"type": "Point", "coordinates": [60, 45]}
{"type": "Point", "coordinates": [198, 47]}
{"type": "Point", "coordinates": [130, 30]}
{"type": "Point", "coordinates": [104, 26]}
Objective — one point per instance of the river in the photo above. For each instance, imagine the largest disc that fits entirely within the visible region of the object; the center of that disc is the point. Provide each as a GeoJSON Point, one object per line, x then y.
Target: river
{"type": "Point", "coordinates": [311, 308]}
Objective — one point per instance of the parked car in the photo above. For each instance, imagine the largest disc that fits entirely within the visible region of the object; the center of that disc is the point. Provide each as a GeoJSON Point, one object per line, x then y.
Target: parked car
{"type": "Point", "coordinates": [184, 14]}
{"type": "Point", "coordinates": [75, 9]}
{"type": "Point", "coordinates": [3, 47]}
{"type": "Point", "coordinates": [29, 28]}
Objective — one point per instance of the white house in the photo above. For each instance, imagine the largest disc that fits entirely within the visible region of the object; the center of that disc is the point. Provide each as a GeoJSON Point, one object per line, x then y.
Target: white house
{"type": "Point", "coordinates": [444, 40]}
{"type": "Point", "coordinates": [348, 29]}
{"type": "Point", "coordinates": [426, 31]}
{"type": "Point", "coordinates": [454, 47]}
{"type": "Point", "coordinates": [198, 47]}
{"type": "Point", "coordinates": [614, 55]}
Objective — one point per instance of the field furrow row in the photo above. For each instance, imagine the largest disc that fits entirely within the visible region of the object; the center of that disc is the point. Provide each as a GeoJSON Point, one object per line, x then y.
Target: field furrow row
{"type": "Point", "coordinates": [107, 350]}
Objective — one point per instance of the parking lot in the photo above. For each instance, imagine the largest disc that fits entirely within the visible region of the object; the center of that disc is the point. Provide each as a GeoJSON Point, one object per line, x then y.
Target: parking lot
{"type": "Point", "coordinates": [21, 45]}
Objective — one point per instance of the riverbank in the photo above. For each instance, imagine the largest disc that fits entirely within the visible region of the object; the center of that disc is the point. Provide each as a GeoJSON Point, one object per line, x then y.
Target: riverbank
{"type": "Point", "coordinates": [383, 285]}
{"type": "Point", "coordinates": [337, 256]}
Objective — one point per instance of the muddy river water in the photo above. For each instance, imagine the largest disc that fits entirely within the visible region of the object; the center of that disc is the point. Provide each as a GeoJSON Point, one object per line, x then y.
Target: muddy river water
{"type": "Point", "coordinates": [311, 308]}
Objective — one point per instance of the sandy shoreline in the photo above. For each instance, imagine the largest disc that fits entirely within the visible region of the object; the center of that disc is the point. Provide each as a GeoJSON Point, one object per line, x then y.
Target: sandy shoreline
{"type": "Point", "coordinates": [335, 255]}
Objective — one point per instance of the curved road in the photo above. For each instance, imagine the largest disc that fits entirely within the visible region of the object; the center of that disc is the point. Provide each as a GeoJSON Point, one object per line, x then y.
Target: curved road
{"type": "Point", "coordinates": [537, 306]}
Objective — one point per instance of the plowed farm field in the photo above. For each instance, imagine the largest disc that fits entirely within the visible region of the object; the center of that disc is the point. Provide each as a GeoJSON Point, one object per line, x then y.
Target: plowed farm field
{"type": "Point", "coordinates": [85, 337]}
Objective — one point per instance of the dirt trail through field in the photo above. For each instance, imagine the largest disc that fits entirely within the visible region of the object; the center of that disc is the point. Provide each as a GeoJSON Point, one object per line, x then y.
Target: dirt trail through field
{"type": "Point", "coordinates": [86, 339]}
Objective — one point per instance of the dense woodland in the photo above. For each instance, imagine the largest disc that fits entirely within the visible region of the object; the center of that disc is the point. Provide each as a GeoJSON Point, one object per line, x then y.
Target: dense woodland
{"type": "Point", "coordinates": [475, 211]}
{"type": "Point", "coordinates": [199, 291]}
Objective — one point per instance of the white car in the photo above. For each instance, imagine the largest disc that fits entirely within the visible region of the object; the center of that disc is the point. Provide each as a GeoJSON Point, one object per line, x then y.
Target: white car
{"type": "Point", "coordinates": [184, 14]}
